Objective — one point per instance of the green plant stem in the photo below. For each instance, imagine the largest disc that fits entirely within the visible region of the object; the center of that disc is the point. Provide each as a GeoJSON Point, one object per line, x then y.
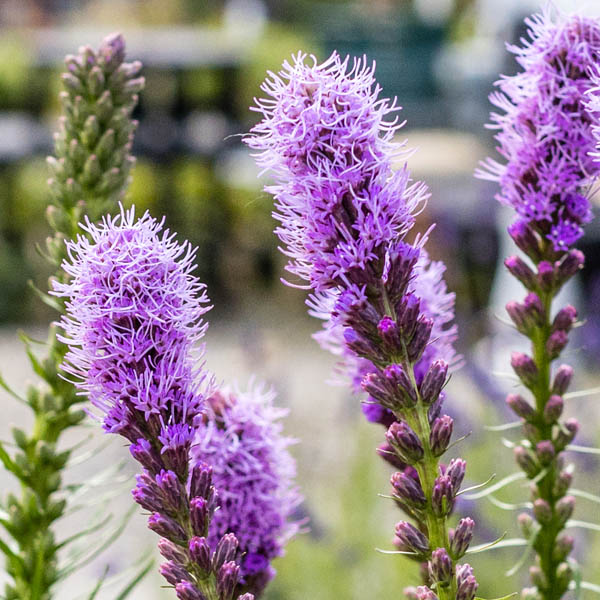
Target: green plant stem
{"type": "Point", "coordinates": [546, 537]}
{"type": "Point", "coordinates": [428, 470]}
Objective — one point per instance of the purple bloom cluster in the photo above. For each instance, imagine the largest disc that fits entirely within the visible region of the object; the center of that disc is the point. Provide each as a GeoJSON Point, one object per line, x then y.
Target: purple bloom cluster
{"type": "Point", "coordinates": [344, 213]}
{"type": "Point", "coordinates": [547, 137]}
{"type": "Point", "coordinates": [134, 317]}
{"type": "Point", "coordinates": [544, 130]}
{"type": "Point", "coordinates": [254, 472]}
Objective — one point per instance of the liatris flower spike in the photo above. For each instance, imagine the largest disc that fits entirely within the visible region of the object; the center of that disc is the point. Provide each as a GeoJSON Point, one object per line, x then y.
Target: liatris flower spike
{"type": "Point", "coordinates": [343, 214]}
{"type": "Point", "coordinates": [89, 172]}
{"type": "Point", "coordinates": [134, 318]}
{"type": "Point", "coordinates": [545, 135]}
{"type": "Point", "coordinates": [254, 472]}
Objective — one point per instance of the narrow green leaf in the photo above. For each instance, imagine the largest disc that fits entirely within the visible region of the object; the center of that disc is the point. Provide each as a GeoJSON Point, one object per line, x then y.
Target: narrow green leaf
{"type": "Point", "coordinates": [403, 552]}
{"type": "Point", "coordinates": [45, 298]}
{"type": "Point", "coordinates": [582, 393]}
{"type": "Point", "coordinates": [583, 449]}
{"type": "Point", "coordinates": [524, 556]}
{"type": "Point", "coordinates": [84, 532]}
{"type": "Point", "coordinates": [504, 427]}
{"type": "Point", "coordinates": [133, 583]}
{"type": "Point", "coordinates": [497, 486]}
{"type": "Point", "coordinates": [585, 495]}
{"type": "Point", "coordinates": [478, 486]}
{"type": "Point", "coordinates": [97, 587]}
{"type": "Point", "coordinates": [582, 525]}
{"type": "Point", "coordinates": [484, 547]}
{"type": "Point", "coordinates": [502, 598]}
{"type": "Point", "coordinates": [14, 394]}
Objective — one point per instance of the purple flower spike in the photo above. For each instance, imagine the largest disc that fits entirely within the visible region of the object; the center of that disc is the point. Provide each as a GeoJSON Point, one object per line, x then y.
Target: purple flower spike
{"type": "Point", "coordinates": [134, 319]}
{"type": "Point", "coordinates": [544, 130]}
{"type": "Point", "coordinates": [254, 472]}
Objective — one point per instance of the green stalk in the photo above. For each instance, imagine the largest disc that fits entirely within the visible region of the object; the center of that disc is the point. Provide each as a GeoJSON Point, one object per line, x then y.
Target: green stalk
{"type": "Point", "coordinates": [428, 470]}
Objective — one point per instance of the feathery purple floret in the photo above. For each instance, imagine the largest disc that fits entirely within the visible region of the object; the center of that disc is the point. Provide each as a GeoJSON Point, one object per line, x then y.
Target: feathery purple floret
{"type": "Point", "coordinates": [242, 440]}
{"type": "Point", "coordinates": [544, 130]}
{"type": "Point", "coordinates": [134, 318]}
{"type": "Point", "coordinates": [325, 138]}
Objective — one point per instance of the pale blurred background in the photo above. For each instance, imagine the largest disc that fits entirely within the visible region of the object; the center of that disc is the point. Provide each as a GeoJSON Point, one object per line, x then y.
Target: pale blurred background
{"type": "Point", "coordinates": [204, 61]}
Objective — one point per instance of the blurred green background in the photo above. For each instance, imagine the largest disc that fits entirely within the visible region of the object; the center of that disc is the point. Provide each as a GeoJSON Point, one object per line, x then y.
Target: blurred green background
{"type": "Point", "coordinates": [204, 61]}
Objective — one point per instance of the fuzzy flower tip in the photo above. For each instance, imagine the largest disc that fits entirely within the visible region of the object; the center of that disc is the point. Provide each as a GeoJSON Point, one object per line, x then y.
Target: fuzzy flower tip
{"type": "Point", "coordinates": [254, 472]}
{"type": "Point", "coordinates": [132, 325]}
{"type": "Point", "coordinates": [545, 128]}
{"type": "Point", "coordinates": [326, 136]}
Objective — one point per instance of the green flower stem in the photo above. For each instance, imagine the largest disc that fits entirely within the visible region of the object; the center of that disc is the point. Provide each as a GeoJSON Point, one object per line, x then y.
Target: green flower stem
{"type": "Point", "coordinates": [428, 470]}
{"type": "Point", "coordinates": [89, 174]}
{"type": "Point", "coordinates": [546, 537]}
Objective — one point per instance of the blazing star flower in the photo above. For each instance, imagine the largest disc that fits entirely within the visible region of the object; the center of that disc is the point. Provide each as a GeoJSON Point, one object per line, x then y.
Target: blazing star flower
{"type": "Point", "coordinates": [325, 138]}
{"type": "Point", "coordinates": [544, 129]}
{"type": "Point", "coordinates": [133, 320]}
{"type": "Point", "coordinates": [546, 135]}
{"type": "Point", "coordinates": [254, 472]}
{"type": "Point", "coordinates": [344, 214]}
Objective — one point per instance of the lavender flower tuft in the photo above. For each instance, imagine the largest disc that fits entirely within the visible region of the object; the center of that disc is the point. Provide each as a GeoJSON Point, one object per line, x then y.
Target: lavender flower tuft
{"type": "Point", "coordinates": [254, 472]}
{"type": "Point", "coordinates": [544, 131]}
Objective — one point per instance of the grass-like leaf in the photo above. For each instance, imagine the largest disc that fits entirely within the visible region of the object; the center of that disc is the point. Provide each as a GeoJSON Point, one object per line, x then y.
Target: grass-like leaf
{"type": "Point", "coordinates": [497, 486]}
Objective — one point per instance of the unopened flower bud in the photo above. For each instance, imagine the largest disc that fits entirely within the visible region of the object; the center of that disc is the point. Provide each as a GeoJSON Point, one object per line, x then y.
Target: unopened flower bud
{"type": "Point", "coordinates": [564, 575]}
{"type": "Point", "coordinates": [388, 454]}
{"type": "Point", "coordinates": [225, 552]}
{"type": "Point", "coordinates": [525, 239]}
{"type": "Point", "coordinates": [200, 553]}
{"type": "Point", "coordinates": [466, 583]}
{"type": "Point", "coordinates": [171, 551]}
{"type": "Point", "coordinates": [411, 538]}
{"type": "Point", "coordinates": [566, 434]}
{"type": "Point", "coordinates": [199, 515]}
{"type": "Point", "coordinates": [526, 461]}
{"type": "Point", "coordinates": [167, 528]}
{"type": "Point", "coordinates": [200, 480]}
{"type": "Point", "coordinates": [442, 497]}
{"type": "Point", "coordinates": [562, 380]}
{"type": "Point", "coordinates": [424, 593]}
{"type": "Point", "coordinates": [530, 594]}
{"type": "Point", "coordinates": [569, 265]}
{"type": "Point", "coordinates": [456, 472]}
{"type": "Point", "coordinates": [564, 319]}
{"type": "Point", "coordinates": [173, 572]}
{"type": "Point", "coordinates": [408, 490]}
{"type": "Point", "coordinates": [526, 525]}
{"type": "Point", "coordinates": [546, 276]}
{"type": "Point", "coordinates": [405, 442]}
{"type": "Point", "coordinates": [519, 269]}
{"type": "Point", "coordinates": [553, 409]}
{"type": "Point", "coordinates": [188, 591]}
{"type": "Point", "coordinates": [562, 484]}
{"type": "Point", "coordinates": [441, 432]}
{"type": "Point", "coordinates": [556, 343]}
{"type": "Point", "coordinates": [420, 339]}
{"type": "Point", "coordinates": [537, 577]}
{"type": "Point", "coordinates": [545, 452]}
{"type": "Point", "coordinates": [388, 331]}
{"type": "Point", "coordinates": [564, 509]}
{"type": "Point", "coordinates": [520, 406]}
{"type": "Point", "coordinates": [460, 538]}
{"type": "Point", "coordinates": [542, 511]}
{"type": "Point", "coordinates": [563, 547]}
{"type": "Point", "coordinates": [227, 579]}
{"type": "Point", "coordinates": [434, 381]}
{"type": "Point", "coordinates": [525, 368]}
{"type": "Point", "coordinates": [390, 387]}
{"type": "Point", "coordinates": [441, 568]}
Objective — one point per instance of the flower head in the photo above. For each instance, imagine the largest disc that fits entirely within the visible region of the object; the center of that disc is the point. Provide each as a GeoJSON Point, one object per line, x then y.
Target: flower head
{"type": "Point", "coordinates": [325, 137]}
{"type": "Point", "coordinates": [544, 130]}
{"type": "Point", "coordinates": [254, 472]}
{"type": "Point", "coordinates": [133, 322]}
